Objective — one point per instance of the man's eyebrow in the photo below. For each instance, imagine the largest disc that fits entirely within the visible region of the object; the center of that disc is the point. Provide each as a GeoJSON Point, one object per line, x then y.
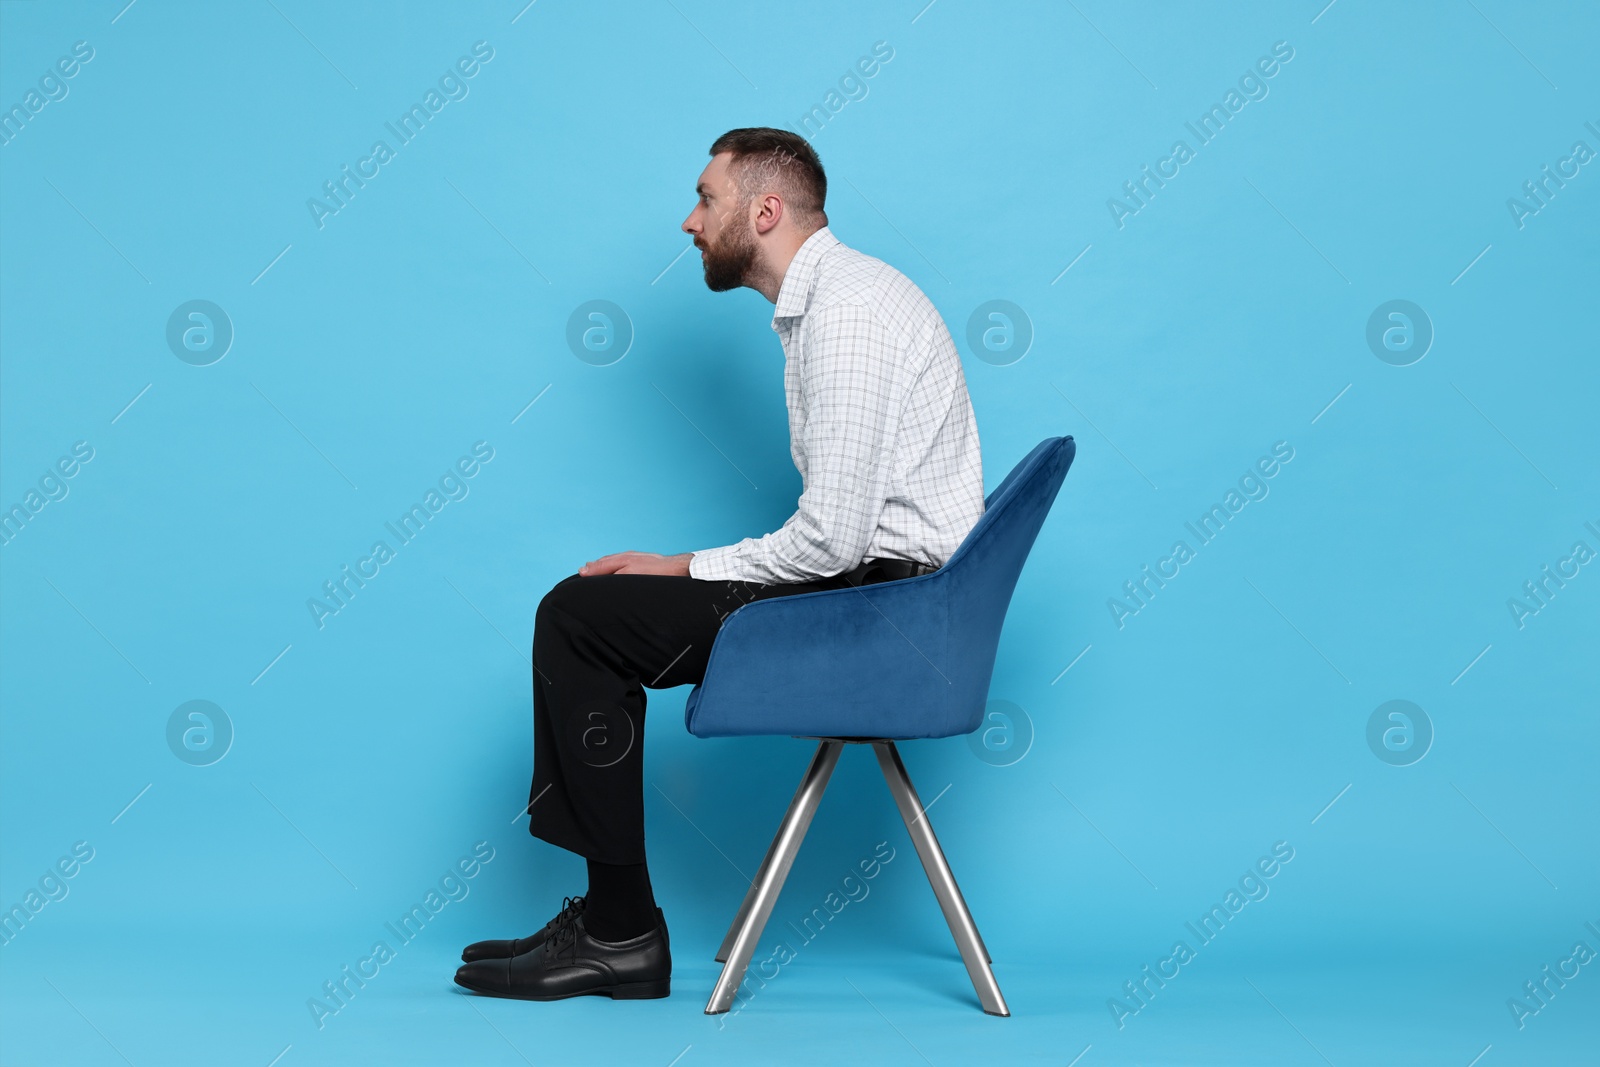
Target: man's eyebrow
{"type": "Point", "coordinates": [703, 189]}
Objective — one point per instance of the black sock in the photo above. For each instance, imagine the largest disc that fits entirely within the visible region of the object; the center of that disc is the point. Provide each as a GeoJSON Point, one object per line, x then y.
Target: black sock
{"type": "Point", "coordinates": [619, 904]}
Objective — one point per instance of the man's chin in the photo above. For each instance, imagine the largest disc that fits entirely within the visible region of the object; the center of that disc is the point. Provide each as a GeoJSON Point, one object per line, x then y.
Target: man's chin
{"type": "Point", "coordinates": [721, 283]}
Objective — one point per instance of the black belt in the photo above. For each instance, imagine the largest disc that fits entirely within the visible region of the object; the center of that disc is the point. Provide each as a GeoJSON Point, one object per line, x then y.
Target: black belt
{"type": "Point", "coordinates": [871, 571]}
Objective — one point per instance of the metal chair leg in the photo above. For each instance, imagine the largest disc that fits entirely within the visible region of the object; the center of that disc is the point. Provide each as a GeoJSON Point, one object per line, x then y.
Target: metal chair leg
{"type": "Point", "coordinates": [766, 865]}
{"type": "Point", "coordinates": [750, 894]}
{"type": "Point", "coordinates": [764, 891]}
{"type": "Point", "coordinates": [766, 862]}
{"type": "Point", "coordinates": [973, 952]}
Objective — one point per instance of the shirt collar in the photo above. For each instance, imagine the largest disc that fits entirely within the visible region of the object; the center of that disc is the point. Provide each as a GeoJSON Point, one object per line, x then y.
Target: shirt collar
{"type": "Point", "coordinates": [800, 280]}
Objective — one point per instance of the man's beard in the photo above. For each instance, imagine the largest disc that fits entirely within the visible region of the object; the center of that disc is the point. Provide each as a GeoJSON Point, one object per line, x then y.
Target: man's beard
{"type": "Point", "coordinates": [729, 261]}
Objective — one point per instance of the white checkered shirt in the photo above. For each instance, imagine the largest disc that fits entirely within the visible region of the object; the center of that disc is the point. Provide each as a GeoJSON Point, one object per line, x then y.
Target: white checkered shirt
{"type": "Point", "coordinates": [880, 425]}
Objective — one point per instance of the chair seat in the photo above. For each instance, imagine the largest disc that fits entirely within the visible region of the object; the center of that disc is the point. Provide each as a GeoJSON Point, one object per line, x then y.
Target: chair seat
{"type": "Point", "coordinates": [864, 660]}
{"type": "Point", "coordinates": [818, 720]}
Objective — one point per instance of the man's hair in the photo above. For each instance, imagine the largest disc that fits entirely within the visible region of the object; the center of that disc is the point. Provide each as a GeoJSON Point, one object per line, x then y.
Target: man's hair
{"type": "Point", "coordinates": [765, 159]}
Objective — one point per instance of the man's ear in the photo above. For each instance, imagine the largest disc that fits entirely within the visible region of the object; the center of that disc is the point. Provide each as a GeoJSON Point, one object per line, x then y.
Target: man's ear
{"type": "Point", "coordinates": [769, 212]}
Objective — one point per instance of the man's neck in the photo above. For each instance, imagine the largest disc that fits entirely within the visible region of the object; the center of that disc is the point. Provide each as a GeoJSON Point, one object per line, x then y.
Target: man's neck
{"type": "Point", "coordinates": [767, 276]}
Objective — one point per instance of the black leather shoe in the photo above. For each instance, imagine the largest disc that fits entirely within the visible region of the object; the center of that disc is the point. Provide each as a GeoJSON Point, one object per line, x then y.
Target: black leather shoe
{"type": "Point", "coordinates": [571, 963]}
{"type": "Point", "coordinates": [504, 950]}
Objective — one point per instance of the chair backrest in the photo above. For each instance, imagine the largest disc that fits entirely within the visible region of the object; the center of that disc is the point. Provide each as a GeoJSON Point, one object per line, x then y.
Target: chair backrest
{"type": "Point", "coordinates": [982, 574]}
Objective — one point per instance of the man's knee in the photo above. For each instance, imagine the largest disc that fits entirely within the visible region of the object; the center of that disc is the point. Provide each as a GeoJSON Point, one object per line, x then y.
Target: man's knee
{"type": "Point", "coordinates": [566, 595]}
{"type": "Point", "coordinates": [562, 604]}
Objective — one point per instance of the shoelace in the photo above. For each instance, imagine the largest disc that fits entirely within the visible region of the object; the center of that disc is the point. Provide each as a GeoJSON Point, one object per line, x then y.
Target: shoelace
{"type": "Point", "coordinates": [563, 937]}
{"type": "Point", "coordinates": [570, 906]}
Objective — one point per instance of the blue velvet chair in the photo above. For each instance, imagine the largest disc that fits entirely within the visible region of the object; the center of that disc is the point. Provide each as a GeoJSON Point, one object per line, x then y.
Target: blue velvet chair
{"type": "Point", "coordinates": [874, 665]}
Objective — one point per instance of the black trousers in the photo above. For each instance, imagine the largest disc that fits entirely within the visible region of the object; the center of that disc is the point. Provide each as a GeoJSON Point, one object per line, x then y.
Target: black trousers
{"type": "Point", "coordinates": [598, 644]}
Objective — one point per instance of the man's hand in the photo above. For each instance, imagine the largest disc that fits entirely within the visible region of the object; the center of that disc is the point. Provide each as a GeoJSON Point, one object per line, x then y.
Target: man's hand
{"type": "Point", "coordinates": [638, 563]}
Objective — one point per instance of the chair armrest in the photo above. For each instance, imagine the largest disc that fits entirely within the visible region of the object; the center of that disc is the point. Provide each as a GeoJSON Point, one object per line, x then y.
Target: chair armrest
{"type": "Point", "coordinates": [872, 660]}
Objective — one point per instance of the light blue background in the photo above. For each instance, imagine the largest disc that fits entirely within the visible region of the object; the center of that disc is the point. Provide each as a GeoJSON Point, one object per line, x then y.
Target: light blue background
{"type": "Point", "coordinates": [1223, 317]}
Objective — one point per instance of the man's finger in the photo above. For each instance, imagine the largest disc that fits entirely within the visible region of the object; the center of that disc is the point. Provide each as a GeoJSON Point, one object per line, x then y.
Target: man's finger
{"type": "Point", "coordinates": [609, 564]}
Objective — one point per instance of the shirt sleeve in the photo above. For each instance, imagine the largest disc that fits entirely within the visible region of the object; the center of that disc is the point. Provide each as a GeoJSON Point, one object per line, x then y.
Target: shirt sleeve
{"type": "Point", "coordinates": [851, 396]}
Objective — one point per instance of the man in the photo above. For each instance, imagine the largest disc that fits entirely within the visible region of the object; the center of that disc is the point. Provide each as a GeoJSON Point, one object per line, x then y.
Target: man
{"type": "Point", "coordinates": [882, 432]}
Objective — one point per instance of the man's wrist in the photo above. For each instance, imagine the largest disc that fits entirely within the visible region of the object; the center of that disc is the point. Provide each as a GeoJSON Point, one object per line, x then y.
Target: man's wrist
{"type": "Point", "coordinates": [706, 560]}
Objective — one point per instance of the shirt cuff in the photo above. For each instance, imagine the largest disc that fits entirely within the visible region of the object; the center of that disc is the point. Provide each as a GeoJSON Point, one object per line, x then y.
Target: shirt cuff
{"type": "Point", "coordinates": [715, 564]}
